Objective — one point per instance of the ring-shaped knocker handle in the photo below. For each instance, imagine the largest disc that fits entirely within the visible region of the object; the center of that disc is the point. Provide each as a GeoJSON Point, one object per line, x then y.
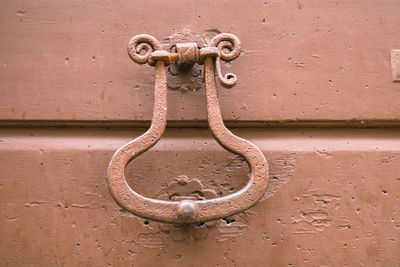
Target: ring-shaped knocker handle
{"type": "Point", "coordinates": [186, 211]}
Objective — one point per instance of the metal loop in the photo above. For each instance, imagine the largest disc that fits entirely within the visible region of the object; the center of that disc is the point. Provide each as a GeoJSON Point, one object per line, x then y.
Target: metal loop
{"type": "Point", "coordinates": [207, 52]}
{"type": "Point", "coordinates": [159, 55]}
{"type": "Point", "coordinates": [187, 211]}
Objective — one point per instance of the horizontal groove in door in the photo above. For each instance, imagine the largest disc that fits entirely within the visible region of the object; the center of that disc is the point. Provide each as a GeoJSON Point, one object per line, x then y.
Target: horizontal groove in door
{"type": "Point", "coordinates": [308, 139]}
{"type": "Point", "coordinates": [204, 124]}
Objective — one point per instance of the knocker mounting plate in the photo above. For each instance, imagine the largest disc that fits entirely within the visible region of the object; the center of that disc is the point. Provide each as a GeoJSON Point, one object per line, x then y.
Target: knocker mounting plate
{"type": "Point", "coordinates": [146, 49]}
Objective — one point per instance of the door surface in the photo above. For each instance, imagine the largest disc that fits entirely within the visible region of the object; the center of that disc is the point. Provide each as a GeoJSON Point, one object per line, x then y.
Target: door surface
{"type": "Point", "coordinates": [314, 93]}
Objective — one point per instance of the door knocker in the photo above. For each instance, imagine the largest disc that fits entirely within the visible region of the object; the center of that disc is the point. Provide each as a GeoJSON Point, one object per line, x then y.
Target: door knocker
{"type": "Point", "coordinates": [226, 47]}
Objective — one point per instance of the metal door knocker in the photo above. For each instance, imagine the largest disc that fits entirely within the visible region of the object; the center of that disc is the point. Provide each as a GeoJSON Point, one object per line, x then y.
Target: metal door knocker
{"type": "Point", "coordinates": [146, 49]}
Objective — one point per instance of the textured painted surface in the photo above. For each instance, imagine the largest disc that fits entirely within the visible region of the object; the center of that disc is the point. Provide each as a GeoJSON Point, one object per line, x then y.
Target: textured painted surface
{"type": "Point", "coordinates": [335, 199]}
{"type": "Point", "coordinates": [66, 60]}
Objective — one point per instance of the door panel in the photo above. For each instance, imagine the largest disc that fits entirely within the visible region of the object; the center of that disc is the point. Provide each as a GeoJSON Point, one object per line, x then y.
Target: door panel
{"type": "Point", "coordinates": [333, 200]}
{"type": "Point", "coordinates": [301, 60]}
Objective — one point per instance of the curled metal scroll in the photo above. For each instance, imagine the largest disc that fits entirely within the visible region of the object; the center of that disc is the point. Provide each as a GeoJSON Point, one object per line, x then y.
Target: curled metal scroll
{"type": "Point", "coordinates": [187, 211]}
{"type": "Point", "coordinates": [228, 49]}
{"type": "Point", "coordinates": [140, 43]}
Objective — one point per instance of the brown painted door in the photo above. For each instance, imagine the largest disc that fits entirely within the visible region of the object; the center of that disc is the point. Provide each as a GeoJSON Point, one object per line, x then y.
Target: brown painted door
{"type": "Point", "coordinates": [314, 93]}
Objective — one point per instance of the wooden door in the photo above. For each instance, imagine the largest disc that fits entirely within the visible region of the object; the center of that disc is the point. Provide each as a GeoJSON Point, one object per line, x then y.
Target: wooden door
{"type": "Point", "coordinates": [314, 93]}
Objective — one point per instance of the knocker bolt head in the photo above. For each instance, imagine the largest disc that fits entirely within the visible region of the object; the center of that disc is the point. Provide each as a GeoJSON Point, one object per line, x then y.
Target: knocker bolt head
{"type": "Point", "coordinates": [186, 210]}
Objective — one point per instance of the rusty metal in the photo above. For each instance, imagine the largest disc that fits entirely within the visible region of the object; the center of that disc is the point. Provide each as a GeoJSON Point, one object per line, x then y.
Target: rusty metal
{"type": "Point", "coordinates": [223, 46]}
{"type": "Point", "coordinates": [188, 54]}
{"type": "Point", "coordinates": [395, 59]}
{"type": "Point", "coordinates": [226, 42]}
